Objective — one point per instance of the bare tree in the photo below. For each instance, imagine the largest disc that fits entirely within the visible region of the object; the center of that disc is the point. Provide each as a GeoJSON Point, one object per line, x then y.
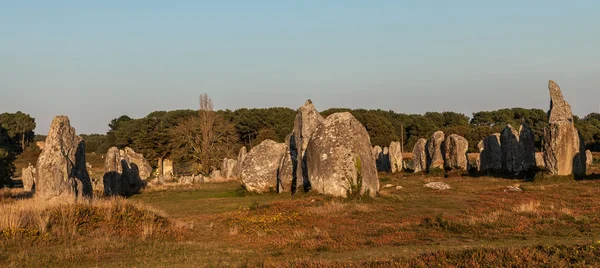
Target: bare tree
{"type": "Point", "coordinates": [207, 138]}
{"type": "Point", "coordinates": [207, 116]}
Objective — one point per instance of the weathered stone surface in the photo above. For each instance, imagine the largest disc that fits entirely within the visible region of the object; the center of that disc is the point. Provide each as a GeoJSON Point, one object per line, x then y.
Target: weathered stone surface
{"type": "Point", "coordinates": [285, 174]}
{"type": "Point", "coordinates": [121, 174]}
{"type": "Point", "coordinates": [28, 175]}
{"type": "Point", "coordinates": [490, 155]}
{"type": "Point", "coordinates": [259, 171]}
{"type": "Point", "coordinates": [527, 146]}
{"type": "Point", "coordinates": [564, 150]}
{"type": "Point", "coordinates": [339, 157]}
{"type": "Point", "coordinates": [61, 171]}
{"type": "Point", "coordinates": [216, 176]}
{"type": "Point", "coordinates": [420, 156]}
{"type": "Point", "coordinates": [589, 158]}
{"type": "Point", "coordinates": [113, 171]}
{"type": "Point", "coordinates": [227, 168]}
{"type": "Point", "coordinates": [435, 156]}
{"type": "Point", "coordinates": [382, 159]}
{"type": "Point", "coordinates": [438, 185]}
{"type": "Point", "coordinates": [560, 110]}
{"type": "Point", "coordinates": [194, 179]}
{"type": "Point", "coordinates": [455, 152]}
{"type": "Point", "coordinates": [305, 124]}
{"type": "Point", "coordinates": [240, 161]}
{"type": "Point", "coordinates": [511, 160]}
{"type": "Point", "coordinates": [539, 160]}
{"type": "Point", "coordinates": [376, 151]}
{"type": "Point", "coordinates": [165, 168]}
{"type": "Point", "coordinates": [138, 160]}
{"type": "Point", "coordinates": [395, 156]}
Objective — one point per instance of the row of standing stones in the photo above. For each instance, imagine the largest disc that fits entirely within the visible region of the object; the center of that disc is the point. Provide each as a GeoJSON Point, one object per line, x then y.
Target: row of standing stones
{"type": "Point", "coordinates": [513, 151]}
{"type": "Point", "coordinates": [330, 155]}
{"type": "Point", "coordinates": [334, 156]}
{"type": "Point", "coordinates": [61, 169]}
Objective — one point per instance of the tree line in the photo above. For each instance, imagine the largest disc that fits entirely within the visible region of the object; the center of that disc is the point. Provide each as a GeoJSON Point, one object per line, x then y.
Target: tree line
{"type": "Point", "coordinates": [16, 134]}
{"type": "Point", "coordinates": [178, 134]}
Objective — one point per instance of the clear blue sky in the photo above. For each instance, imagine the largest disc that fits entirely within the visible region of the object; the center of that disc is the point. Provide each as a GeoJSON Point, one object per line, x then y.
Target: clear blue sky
{"type": "Point", "coordinates": [97, 60]}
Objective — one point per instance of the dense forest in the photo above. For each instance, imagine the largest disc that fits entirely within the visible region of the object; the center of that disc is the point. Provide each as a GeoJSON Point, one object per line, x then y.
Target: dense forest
{"type": "Point", "coordinates": [179, 134]}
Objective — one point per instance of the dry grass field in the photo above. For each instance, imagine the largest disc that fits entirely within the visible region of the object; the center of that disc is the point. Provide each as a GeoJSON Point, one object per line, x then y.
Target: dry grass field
{"type": "Point", "coordinates": [552, 222]}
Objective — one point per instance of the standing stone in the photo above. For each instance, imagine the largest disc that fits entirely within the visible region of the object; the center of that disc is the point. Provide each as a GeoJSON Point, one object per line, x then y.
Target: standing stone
{"type": "Point", "coordinates": [511, 160]}
{"type": "Point", "coordinates": [285, 171]}
{"type": "Point", "coordinates": [539, 160]}
{"type": "Point", "coordinates": [240, 161]}
{"type": "Point", "coordinates": [435, 156]}
{"type": "Point", "coordinates": [121, 174]}
{"type": "Point", "coordinates": [259, 171]}
{"type": "Point", "coordinates": [385, 160]}
{"type": "Point", "coordinates": [376, 151]}
{"type": "Point", "coordinates": [28, 175]}
{"type": "Point", "coordinates": [455, 152]}
{"type": "Point", "coordinates": [382, 158]}
{"type": "Point", "coordinates": [420, 156]}
{"type": "Point", "coordinates": [165, 168]}
{"type": "Point", "coordinates": [227, 168]}
{"type": "Point", "coordinates": [61, 165]}
{"type": "Point", "coordinates": [144, 167]}
{"type": "Point", "coordinates": [340, 159]}
{"type": "Point", "coordinates": [527, 146]}
{"type": "Point", "coordinates": [564, 150]}
{"type": "Point", "coordinates": [113, 171]}
{"type": "Point", "coordinates": [480, 148]}
{"type": "Point", "coordinates": [305, 124]}
{"type": "Point", "coordinates": [395, 157]}
{"type": "Point", "coordinates": [216, 176]}
{"type": "Point", "coordinates": [490, 155]}
{"type": "Point", "coordinates": [589, 158]}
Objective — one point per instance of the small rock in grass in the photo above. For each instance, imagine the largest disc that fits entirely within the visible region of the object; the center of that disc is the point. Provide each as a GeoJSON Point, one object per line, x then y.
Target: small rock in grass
{"type": "Point", "coordinates": [438, 185]}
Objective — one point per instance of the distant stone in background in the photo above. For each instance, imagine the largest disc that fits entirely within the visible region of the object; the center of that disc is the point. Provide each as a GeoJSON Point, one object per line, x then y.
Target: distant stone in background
{"type": "Point", "coordinates": [28, 178]}
{"type": "Point", "coordinates": [564, 149]}
{"type": "Point", "coordinates": [589, 158]}
{"type": "Point", "coordinates": [382, 159]}
{"type": "Point", "coordinates": [240, 161]}
{"type": "Point", "coordinates": [490, 154]}
{"type": "Point", "coordinates": [376, 151]}
{"type": "Point", "coordinates": [144, 167]}
{"type": "Point", "coordinates": [40, 144]}
{"type": "Point", "coordinates": [121, 174]}
{"type": "Point", "coordinates": [193, 179]}
{"type": "Point", "coordinates": [306, 122]}
{"type": "Point", "coordinates": [113, 171]}
{"type": "Point", "coordinates": [420, 156]}
{"type": "Point", "coordinates": [285, 172]}
{"type": "Point", "coordinates": [259, 171]}
{"type": "Point", "coordinates": [61, 170]}
{"type": "Point", "coordinates": [340, 158]}
{"type": "Point", "coordinates": [455, 152]}
{"type": "Point", "coordinates": [539, 160]}
{"type": "Point", "coordinates": [395, 156]}
{"type": "Point", "coordinates": [435, 157]}
{"type": "Point", "coordinates": [215, 176]}
{"type": "Point", "coordinates": [511, 160]}
{"type": "Point", "coordinates": [228, 168]}
{"type": "Point", "coordinates": [527, 146]}
{"type": "Point", "coordinates": [165, 168]}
